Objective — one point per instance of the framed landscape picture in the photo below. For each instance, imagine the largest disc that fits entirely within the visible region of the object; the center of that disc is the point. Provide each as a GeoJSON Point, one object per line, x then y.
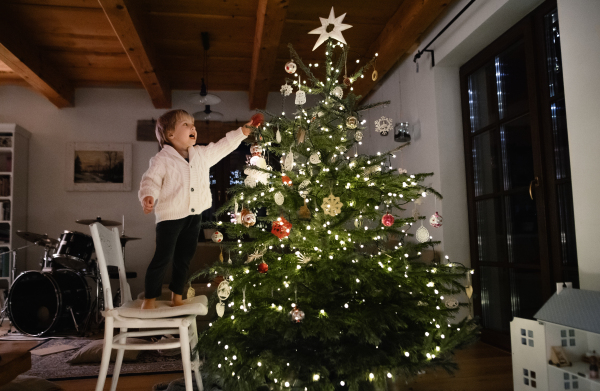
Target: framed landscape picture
{"type": "Point", "coordinates": [98, 167]}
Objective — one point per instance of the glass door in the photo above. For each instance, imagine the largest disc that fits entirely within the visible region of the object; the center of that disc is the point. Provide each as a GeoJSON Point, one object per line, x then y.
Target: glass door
{"type": "Point", "coordinates": [511, 204]}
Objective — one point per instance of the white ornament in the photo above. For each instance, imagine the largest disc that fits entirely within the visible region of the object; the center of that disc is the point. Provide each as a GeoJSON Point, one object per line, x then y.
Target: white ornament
{"type": "Point", "coordinates": [279, 198]}
{"type": "Point", "coordinates": [300, 97]}
{"type": "Point", "coordinates": [223, 290]}
{"type": "Point", "coordinates": [384, 125]}
{"type": "Point", "coordinates": [422, 234]}
{"type": "Point", "coordinates": [286, 90]}
{"type": "Point", "coordinates": [256, 255]}
{"type": "Point", "coordinates": [258, 161]}
{"type": "Point", "coordinates": [220, 309]}
{"type": "Point", "coordinates": [255, 176]}
{"type": "Point", "coordinates": [314, 158]}
{"type": "Point", "coordinates": [338, 92]}
{"type": "Point", "coordinates": [358, 135]}
{"type": "Point", "coordinates": [278, 135]}
{"type": "Point", "coordinates": [217, 237]}
{"type": "Point", "coordinates": [290, 67]}
{"type": "Point", "coordinates": [302, 258]}
{"type": "Point", "coordinates": [469, 291]}
{"type": "Point", "coordinates": [332, 205]}
{"type": "Point", "coordinates": [303, 189]}
{"type": "Point", "coordinates": [402, 171]}
{"type": "Point", "coordinates": [288, 163]}
{"type": "Point", "coordinates": [436, 220]}
{"type": "Point", "coordinates": [320, 114]}
{"type": "Point", "coordinates": [451, 303]}
{"type": "Point", "coordinates": [326, 32]}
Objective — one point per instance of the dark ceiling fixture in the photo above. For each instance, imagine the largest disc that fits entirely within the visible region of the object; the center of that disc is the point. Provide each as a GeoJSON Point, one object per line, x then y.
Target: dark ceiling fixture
{"type": "Point", "coordinates": [204, 98]}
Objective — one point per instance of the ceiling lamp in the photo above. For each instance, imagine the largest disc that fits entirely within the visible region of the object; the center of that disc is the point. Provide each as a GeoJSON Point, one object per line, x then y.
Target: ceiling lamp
{"type": "Point", "coordinates": [207, 115]}
{"type": "Point", "coordinates": [204, 98]}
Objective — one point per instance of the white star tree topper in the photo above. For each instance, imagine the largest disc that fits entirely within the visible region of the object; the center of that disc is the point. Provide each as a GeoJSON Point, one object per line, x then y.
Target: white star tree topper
{"type": "Point", "coordinates": [331, 27]}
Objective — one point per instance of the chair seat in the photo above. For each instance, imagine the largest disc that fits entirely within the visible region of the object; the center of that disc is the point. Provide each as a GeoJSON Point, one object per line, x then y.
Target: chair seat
{"type": "Point", "coordinates": [197, 305]}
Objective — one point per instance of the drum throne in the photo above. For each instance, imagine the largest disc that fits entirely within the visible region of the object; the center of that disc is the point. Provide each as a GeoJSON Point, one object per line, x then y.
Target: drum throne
{"type": "Point", "coordinates": [162, 320]}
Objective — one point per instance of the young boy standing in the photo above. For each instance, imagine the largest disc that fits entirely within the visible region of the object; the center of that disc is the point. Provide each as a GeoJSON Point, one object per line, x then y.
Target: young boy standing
{"type": "Point", "coordinates": [176, 187]}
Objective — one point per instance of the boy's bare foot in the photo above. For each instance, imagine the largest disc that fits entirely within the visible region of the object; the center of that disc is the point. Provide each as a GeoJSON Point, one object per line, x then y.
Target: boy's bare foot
{"type": "Point", "coordinates": [148, 304]}
{"type": "Point", "coordinates": [176, 300]}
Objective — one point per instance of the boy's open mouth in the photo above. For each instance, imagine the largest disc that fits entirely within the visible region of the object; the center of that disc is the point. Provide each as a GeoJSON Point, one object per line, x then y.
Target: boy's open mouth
{"type": "Point", "coordinates": [193, 136]}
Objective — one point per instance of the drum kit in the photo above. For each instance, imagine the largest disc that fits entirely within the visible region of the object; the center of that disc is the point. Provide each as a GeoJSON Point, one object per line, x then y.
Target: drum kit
{"type": "Point", "coordinates": [60, 298]}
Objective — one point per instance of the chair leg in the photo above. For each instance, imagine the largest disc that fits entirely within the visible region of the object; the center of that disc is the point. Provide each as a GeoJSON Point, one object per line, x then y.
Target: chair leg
{"type": "Point", "coordinates": [196, 356]}
{"type": "Point", "coordinates": [106, 350]}
{"type": "Point", "coordinates": [118, 362]}
{"type": "Point", "coordinates": [185, 354]}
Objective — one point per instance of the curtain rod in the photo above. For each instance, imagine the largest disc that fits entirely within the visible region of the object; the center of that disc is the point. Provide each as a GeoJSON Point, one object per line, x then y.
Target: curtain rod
{"type": "Point", "coordinates": [420, 52]}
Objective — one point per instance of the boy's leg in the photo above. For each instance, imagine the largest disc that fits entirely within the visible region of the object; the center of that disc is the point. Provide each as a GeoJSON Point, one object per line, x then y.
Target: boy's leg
{"type": "Point", "coordinates": [166, 240]}
{"type": "Point", "coordinates": [184, 252]}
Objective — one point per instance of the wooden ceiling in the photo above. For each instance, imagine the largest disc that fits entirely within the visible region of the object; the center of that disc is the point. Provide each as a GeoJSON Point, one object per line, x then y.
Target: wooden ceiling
{"type": "Point", "coordinates": [55, 46]}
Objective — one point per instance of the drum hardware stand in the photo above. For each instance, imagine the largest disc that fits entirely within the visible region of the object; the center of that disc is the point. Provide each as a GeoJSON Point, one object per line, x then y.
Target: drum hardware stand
{"type": "Point", "coordinates": [73, 317]}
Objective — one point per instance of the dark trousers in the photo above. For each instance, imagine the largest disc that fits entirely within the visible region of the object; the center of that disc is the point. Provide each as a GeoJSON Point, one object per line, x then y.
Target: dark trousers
{"type": "Point", "coordinates": [176, 241]}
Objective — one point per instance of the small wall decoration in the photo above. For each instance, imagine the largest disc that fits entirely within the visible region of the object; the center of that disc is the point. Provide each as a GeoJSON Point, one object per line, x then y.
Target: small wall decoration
{"type": "Point", "coordinates": [98, 167]}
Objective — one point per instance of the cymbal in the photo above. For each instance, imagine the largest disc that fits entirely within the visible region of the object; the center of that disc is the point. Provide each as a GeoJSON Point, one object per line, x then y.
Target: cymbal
{"type": "Point", "coordinates": [40, 240]}
{"type": "Point", "coordinates": [125, 239]}
{"type": "Point", "coordinates": [106, 223]}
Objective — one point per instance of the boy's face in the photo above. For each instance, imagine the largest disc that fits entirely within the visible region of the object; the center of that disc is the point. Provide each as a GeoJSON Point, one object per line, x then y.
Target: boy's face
{"type": "Point", "coordinates": [184, 134]}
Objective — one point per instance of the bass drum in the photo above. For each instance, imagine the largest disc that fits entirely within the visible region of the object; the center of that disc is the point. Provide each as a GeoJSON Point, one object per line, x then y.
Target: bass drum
{"type": "Point", "coordinates": [41, 302]}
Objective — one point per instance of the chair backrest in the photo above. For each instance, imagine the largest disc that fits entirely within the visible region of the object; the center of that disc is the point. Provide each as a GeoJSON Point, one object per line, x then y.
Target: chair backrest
{"type": "Point", "coordinates": [109, 252]}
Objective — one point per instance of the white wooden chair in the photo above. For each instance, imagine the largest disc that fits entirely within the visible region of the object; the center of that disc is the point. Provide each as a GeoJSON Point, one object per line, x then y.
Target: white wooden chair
{"type": "Point", "coordinates": [162, 320]}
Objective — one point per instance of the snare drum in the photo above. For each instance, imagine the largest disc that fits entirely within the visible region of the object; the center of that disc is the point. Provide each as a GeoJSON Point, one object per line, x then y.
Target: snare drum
{"type": "Point", "coordinates": [74, 250]}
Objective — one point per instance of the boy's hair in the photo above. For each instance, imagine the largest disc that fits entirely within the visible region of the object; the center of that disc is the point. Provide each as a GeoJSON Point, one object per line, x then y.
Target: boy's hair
{"type": "Point", "coordinates": [166, 123]}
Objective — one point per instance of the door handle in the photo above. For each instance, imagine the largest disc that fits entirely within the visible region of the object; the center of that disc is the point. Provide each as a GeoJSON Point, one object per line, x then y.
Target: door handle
{"type": "Point", "coordinates": [535, 182]}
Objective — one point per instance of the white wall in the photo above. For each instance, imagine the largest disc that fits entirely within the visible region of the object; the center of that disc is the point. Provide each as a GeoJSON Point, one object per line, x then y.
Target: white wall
{"type": "Point", "coordinates": [579, 22]}
{"type": "Point", "coordinates": [430, 101]}
{"type": "Point", "coordinates": [99, 115]}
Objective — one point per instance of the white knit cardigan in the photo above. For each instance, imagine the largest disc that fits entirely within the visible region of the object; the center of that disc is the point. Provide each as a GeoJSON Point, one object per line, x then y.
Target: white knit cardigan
{"type": "Point", "coordinates": [180, 188]}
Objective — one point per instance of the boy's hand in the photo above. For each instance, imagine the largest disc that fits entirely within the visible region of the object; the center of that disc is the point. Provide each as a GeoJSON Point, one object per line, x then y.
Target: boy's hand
{"type": "Point", "coordinates": [148, 204]}
{"type": "Point", "coordinates": [246, 129]}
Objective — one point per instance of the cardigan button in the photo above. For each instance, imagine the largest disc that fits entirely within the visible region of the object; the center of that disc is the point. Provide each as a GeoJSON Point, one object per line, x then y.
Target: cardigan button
{"type": "Point", "coordinates": [192, 189]}
{"type": "Point", "coordinates": [193, 210]}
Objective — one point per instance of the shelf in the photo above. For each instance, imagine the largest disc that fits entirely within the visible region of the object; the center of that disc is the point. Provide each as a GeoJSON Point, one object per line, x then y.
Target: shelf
{"type": "Point", "coordinates": [577, 368]}
{"type": "Point", "coordinates": [5, 172]}
{"type": "Point", "coordinates": [6, 149]}
{"type": "Point", "coordinates": [4, 278]}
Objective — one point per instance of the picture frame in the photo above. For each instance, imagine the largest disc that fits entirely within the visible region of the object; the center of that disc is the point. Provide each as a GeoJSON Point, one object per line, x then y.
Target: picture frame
{"type": "Point", "coordinates": [98, 167]}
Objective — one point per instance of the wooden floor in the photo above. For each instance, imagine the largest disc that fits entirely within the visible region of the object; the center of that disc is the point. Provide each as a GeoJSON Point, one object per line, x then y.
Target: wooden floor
{"type": "Point", "coordinates": [482, 367]}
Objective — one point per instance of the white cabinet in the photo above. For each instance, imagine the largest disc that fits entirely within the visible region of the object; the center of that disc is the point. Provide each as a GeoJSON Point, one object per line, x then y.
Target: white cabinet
{"type": "Point", "coordinates": [14, 161]}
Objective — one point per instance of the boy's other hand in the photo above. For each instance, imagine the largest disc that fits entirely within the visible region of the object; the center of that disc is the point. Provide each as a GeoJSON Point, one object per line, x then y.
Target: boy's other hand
{"type": "Point", "coordinates": [246, 128]}
{"type": "Point", "coordinates": [148, 204]}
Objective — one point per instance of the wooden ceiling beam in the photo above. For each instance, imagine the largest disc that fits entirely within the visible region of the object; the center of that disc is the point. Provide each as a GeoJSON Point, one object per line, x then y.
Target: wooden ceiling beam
{"type": "Point", "coordinates": [140, 51]}
{"type": "Point", "coordinates": [399, 35]}
{"type": "Point", "coordinates": [28, 62]}
{"type": "Point", "coordinates": [270, 18]}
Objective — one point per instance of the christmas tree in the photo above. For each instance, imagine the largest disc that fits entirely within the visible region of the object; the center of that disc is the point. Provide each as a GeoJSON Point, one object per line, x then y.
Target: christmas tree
{"type": "Point", "coordinates": [328, 289]}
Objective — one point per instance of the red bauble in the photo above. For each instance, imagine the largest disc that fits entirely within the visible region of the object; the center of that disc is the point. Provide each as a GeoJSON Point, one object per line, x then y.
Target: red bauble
{"type": "Point", "coordinates": [286, 180]}
{"type": "Point", "coordinates": [257, 119]}
{"type": "Point", "coordinates": [388, 220]}
{"type": "Point", "coordinates": [263, 267]}
{"type": "Point", "coordinates": [281, 228]}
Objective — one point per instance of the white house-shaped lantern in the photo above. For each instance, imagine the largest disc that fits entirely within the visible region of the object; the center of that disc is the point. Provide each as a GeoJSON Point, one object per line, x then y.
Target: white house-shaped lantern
{"type": "Point", "coordinates": [569, 319]}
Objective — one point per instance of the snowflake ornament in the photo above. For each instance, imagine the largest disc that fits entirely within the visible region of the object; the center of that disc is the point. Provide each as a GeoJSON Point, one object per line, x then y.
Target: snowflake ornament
{"type": "Point", "coordinates": [422, 234]}
{"type": "Point", "coordinates": [338, 92]}
{"type": "Point", "coordinates": [326, 32]}
{"type": "Point", "coordinates": [384, 125]}
{"type": "Point", "coordinates": [286, 90]}
{"type": "Point", "coordinates": [332, 205]}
